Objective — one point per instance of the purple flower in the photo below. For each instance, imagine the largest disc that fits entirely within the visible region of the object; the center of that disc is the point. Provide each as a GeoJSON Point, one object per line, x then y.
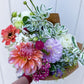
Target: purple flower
{"type": "Point", "coordinates": [59, 73]}
{"type": "Point", "coordinates": [43, 72]}
{"type": "Point", "coordinates": [54, 47]}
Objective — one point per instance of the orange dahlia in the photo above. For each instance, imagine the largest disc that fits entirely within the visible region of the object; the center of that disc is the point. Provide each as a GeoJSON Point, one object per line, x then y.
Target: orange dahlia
{"type": "Point", "coordinates": [26, 58]}
{"type": "Point", "coordinates": [8, 34]}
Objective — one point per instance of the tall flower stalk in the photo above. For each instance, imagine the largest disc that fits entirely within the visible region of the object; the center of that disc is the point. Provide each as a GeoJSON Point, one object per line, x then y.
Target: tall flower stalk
{"type": "Point", "coordinates": [33, 4]}
{"type": "Point", "coordinates": [25, 3]}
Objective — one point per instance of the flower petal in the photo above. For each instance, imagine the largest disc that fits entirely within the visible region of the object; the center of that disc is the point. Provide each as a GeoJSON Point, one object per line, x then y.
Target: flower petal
{"type": "Point", "coordinates": [37, 61]}
{"type": "Point", "coordinates": [13, 40]}
{"type": "Point", "coordinates": [17, 31]}
{"type": "Point", "coordinates": [40, 55]}
{"type": "Point", "coordinates": [22, 62]}
{"type": "Point", "coordinates": [32, 64]}
{"type": "Point", "coordinates": [14, 52]}
{"type": "Point", "coordinates": [34, 70]}
{"type": "Point", "coordinates": [7, 42]}
{"type": "Point", "coordinates": [27, 69]}
{"type": "Point", "coordinates": [18, 48]}
{"type": "Point", "coordinates": [11, 60]}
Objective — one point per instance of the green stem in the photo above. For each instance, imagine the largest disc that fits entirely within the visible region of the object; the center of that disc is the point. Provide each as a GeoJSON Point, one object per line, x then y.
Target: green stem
{"type": "Point", "coordinates": [33, 4]}
{"type": "Point", "coordinates": [44, 51]}
{"type": "Point", "coordinates": [29, 8]}
{"type": "Point", "coordinates": [11, 19]}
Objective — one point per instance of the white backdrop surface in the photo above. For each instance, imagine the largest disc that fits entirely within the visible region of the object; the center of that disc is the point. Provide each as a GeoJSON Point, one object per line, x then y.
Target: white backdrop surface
{"type": "Point", "coordinates": [71, 15]}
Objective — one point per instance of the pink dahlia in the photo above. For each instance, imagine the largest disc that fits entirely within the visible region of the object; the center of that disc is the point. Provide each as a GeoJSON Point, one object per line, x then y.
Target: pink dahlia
{"type": "Point", "coordinates": [54, 48]}
{"type": "Point", "coordinates": [39, 45]}
{"type": "Point", "coordinates": [26, 58]}
{"type": "Point", "coordinates": [8, 34]}
{"type": "Point", "coordinates": [43, 72]}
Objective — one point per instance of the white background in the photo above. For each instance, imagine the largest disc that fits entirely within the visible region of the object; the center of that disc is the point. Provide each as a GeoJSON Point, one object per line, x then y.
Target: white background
{"type": "Point", "coordinates": [71, 15]}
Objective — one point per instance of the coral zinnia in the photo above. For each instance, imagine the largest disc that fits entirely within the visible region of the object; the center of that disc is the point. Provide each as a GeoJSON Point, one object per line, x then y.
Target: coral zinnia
{"type": "Point", "coordinates": [54, 47]}
{"type": "Point", "coordinates": [26, 58]}
{"type": "Point", "coordinates": [8, 34]}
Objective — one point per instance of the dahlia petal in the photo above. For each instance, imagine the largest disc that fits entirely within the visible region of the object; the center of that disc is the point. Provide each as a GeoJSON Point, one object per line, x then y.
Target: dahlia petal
{"type": "Point", "coordinates": [14, 55]}
{"type": "Point", "coordinates": [37, 61]}
{"type": "Point", "coordinates": [14, 52]}
{"type": "Point", "coordinates": [34, 70]}
{"type": "Point", "coordinates": [18, 48]}
{"type": "Point", "coordinates": [11, 60]}
{"type": "Point", "coordinates": [40, 55]}
{"type": "Point", "coordinates": [22, 44]}
{"type": "Point", "coordinates": [22, 62]}
{"type": "Point", "coordinates": [32, 64]}
{"type": "Point", "coordinates": [17, 60]}
{"type": "Point", "coordinates": [27, 69]}
{"type": "Point", "coordinates": [17, 65]}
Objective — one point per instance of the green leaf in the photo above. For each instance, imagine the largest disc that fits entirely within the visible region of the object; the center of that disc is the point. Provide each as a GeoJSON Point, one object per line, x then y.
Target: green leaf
{"type": "Point", "coordinates": [49, 30]}
{"type": "Point", "coordinates": [44, 51]}
{"type": "Point", "coordinates": [44, 39]}
{"type": "Point", "coordinates": [19, 15]}
{"type": "Point", "coordinates": [25, 20]}
{"type": "Point", "coordinates": [34, 17]}
{"type": "Point", "coordinates": [45, 15]}
{"type": "Point", "coordinates": [53, 67]}
{"type": "Point", "coordinates": [49, 9]}
{"type": "Point", "coordinates": [38, 9]}
{"type": "Point", "coordinates": [41, 7]}
{"type": "Point", "coordinates": [73, 40]}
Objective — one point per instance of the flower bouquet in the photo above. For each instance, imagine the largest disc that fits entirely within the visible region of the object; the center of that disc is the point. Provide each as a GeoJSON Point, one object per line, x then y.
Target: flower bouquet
{"type": "Point", "coordinates": [39, 46]}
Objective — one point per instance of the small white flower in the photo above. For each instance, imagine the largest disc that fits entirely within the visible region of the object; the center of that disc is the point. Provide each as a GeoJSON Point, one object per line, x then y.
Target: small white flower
{"type": "Point", "coordinates": [33, 35]}
{"type": "Point", "coordinates": [16, 19]}
{"type": "Point", "coordinates": [21, 38]}
{"type": "Point", "coordinates": [66, 41]}
{"type": "Point", "coordinates": [25, 13]}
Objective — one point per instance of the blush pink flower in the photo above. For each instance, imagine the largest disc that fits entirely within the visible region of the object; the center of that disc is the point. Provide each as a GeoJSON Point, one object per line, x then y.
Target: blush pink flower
{"type": "Point", "coordinates": [8, 34]}
{"type": "Point", "coordinates": [39, 45]}
{"type": "Point", "coordinates": [27, 58]}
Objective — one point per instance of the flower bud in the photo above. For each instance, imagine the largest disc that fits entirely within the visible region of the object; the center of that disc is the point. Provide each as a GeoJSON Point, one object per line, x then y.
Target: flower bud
{"type": "Point", "coordinates": [32, 13]}
{"type": "Point", "coordinates": [14, 14]}
{"type": "Point", "coordinates": [35, 39]}
{"type": "Point", "coordinates": [25, 3]}
{"type": "Point", "coordinates": [40, 37]}
{"type": "Point", "coordinates": [18, 24]}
